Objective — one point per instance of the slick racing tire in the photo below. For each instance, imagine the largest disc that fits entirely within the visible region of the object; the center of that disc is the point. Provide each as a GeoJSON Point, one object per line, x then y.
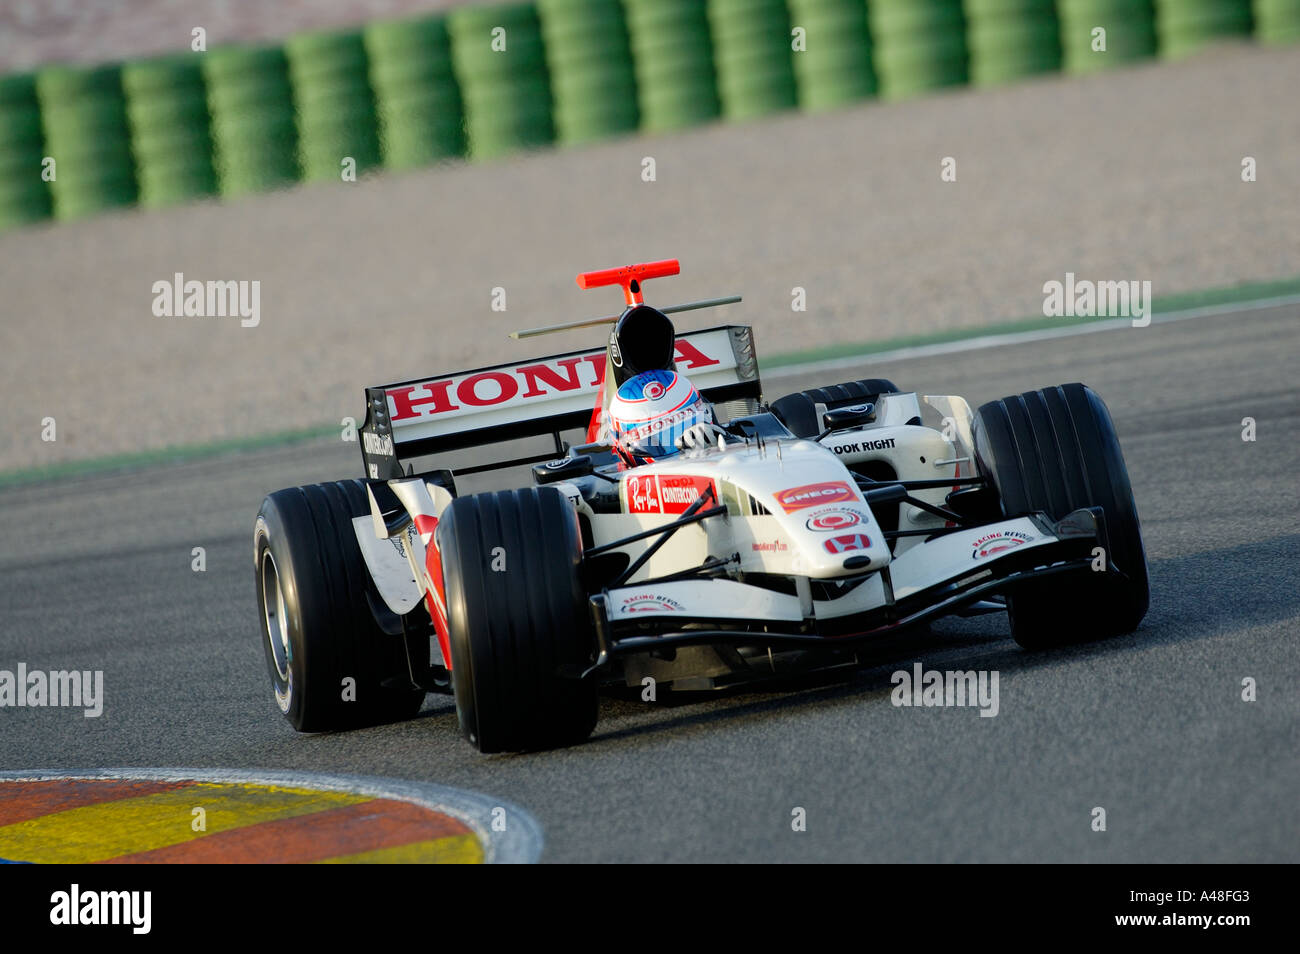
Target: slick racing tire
{"type": "Point", "coordinates": [1055, 450]}
{"type": "Point", "coordinates": [518, 620]}
{"type": "Point", "coordinates": [798, 412]}
{"type": "Point", "coordinates": [335, 652]}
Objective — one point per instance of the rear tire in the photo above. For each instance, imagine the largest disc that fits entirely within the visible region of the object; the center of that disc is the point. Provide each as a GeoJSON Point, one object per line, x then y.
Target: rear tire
{"type": "Point", "coordinates": [518, 620]}
{"type": "Point", "coordinates": [323, 621]}
{"type": "Point", "coordinates": [798, 412]}
{"type": "Point", "coordinates": [1056, 450]}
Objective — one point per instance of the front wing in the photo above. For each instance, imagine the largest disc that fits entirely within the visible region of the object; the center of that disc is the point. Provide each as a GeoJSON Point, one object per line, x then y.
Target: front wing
{"type": "Point", "coordinates": [938, 578]}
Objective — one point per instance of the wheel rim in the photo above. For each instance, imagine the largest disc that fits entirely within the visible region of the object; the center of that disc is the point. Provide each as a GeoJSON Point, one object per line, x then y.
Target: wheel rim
{"type": "Point", "coordinates": [277, 631]}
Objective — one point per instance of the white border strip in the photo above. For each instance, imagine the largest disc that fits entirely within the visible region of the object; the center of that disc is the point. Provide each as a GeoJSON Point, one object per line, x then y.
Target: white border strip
{"type": "Point", "coordinates": [520, 843]}
{"type": "Point", "coordinates": [1019, 337]}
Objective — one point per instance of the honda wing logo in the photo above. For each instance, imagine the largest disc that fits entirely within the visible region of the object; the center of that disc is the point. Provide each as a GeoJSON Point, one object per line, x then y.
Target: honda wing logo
{"type": "Point", "coordinates": [505, 386]}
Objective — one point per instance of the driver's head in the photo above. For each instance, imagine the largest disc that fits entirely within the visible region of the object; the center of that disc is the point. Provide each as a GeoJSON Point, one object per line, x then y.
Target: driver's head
{"type": "Point", "coordinates": [650, 411]}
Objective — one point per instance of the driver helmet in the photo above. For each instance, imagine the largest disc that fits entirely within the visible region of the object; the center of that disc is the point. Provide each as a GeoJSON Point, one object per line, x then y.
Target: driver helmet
{"type": "Point", "coordinates": [650, 411]}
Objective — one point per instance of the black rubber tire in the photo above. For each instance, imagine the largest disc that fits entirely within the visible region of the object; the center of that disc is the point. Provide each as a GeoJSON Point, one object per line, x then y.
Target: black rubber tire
{"type": "Point", "coordinates": [334, 618]}
{"type": "Point", "coordinates": [1056, 450]}
{"type": "Point", "coordinates": [519, 632]}
{"type": "Point", "coordinates": [798, 411]}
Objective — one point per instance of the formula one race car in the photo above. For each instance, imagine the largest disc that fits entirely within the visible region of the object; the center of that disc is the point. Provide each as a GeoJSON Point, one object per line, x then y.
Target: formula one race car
{"type": "Point", "coordinates": [772, 538]}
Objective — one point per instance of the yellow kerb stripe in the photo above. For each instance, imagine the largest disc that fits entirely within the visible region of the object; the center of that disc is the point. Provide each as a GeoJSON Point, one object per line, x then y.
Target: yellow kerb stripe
{"type": "Point", "coordinates": [109, 829]}
{"type": "Point", "coordinates": [452, 850]}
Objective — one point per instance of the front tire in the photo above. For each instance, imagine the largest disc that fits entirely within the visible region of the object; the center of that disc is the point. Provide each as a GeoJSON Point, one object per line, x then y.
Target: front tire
{"type": "Point", "coordinates": [518, 620]}
{"type": "Point", "coordinates": [334, 661]}
{"type": "Point", "coordinates": [1056, 450]}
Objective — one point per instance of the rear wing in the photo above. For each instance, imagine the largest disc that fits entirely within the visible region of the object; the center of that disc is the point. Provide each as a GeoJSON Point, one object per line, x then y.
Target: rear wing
{"type": "Point", "coordinates": [544, 396]}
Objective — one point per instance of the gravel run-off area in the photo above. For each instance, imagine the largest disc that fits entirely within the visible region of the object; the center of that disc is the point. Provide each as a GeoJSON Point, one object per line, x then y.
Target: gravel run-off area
{"type": "Point", "coordinates": [1133, 174]}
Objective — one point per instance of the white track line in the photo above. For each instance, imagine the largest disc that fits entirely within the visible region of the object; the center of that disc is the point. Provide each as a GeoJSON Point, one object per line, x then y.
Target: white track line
{"type": "Point", "coordinates": [1019, 337]}
{"type": "Point", "coordinates": [521, 842]}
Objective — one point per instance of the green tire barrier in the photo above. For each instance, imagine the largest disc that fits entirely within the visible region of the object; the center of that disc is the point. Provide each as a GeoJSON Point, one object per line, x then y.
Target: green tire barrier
{"type": "Point", "coordinates": [915, 18]}
{"type": "Point", "coordinates": [1011, 39]}
{"type": "Point", "coordinates": [254, 135]}
{"type": "Point", "coordinates": [83, 114]}
{"type": "Point", "coordinates": [919, 45]}
{"type": "Point", "coordinates": [834, 68]}
{"type": "Point", "coordinates": [753, 57]}
{"type": "Point", "coordinates": [672, 51]}
{"type": "Point", "coordinates": [24, 195]}
{"type": "Point", "coordinates": [1277, 21]}
{"type": "Point", "coordinates": [1130, 33]}
{"type": "Point", "coordinates": [489, 80]}
{"type": "Point", "coordinates": [499, 62]}
{"type": "Point", "coordinates": [421, 119]}
{"type": "Point", "coordinates": [329, 73]}
{"type": "Point", "coordinates": [1186, 26]}
{"type": "Point", "coordinates": [590, 63]}
{"type": "Point", "coordinates": [167, 110]}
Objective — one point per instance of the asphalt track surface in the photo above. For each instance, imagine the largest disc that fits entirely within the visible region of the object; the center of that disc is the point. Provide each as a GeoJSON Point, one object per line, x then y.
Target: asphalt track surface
{"type": "Point", "coordinates": [95, 573]}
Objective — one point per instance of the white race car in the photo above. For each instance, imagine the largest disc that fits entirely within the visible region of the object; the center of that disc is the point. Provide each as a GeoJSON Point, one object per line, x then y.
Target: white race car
{"type": "Point", "coordinates": [814, 525]}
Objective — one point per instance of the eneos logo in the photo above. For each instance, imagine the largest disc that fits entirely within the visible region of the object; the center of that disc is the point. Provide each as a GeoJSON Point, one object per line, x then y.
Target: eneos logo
{"type": "Point", "coordinates": [654, 390]}
{"type": "Point", "coordinates": [809, 495]}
